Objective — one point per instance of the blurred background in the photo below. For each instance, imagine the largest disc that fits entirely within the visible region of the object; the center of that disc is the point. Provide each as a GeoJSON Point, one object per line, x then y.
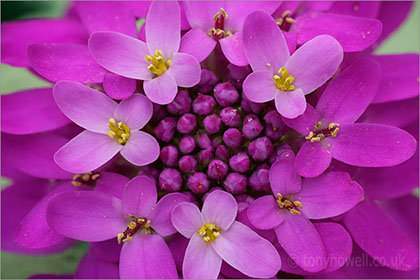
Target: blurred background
{"type": "Point", "coordinates": [12, 79]}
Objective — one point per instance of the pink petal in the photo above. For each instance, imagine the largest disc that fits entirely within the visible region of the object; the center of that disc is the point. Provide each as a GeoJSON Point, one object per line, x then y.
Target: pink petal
{"type": "Point", "coordinates": [178, 245]}
{"type": "Point", "coordinates": [264, 213]}
{"type": "Point", "coordinates": [118, 87]}
{"type": "Point", "coordinates": [108, 250]}
{"type": "Point", "coordinates": [290, 104]}
{"type": "Point", "coordinates": [264, 42]}
{"type": "Point", "coordinates": [335, 189]}
{"type": "Point", "coordinates": [86, 152]}
{"type": "Point", "coordinates": [200, 14]}
{"type": "Point", "coordinates": [187, 219]}
{"type": "Point", "coordinates": [353, 33]}
{"type": "Point", "coordinates": [134, 112]}
{"type": "Point", "coordinates": [139, 197]}
{"type": "Point", "coordinates": [141, 148]}
{"type": "Point", "coordinates": [185, 69]}
{"type": "Point", "coordinates": [258, 251]}
{"type": "Point", "coordinates": [342, 102]}
{"type": "Point", "coordinates": [147, 257]}
{"type": "Point", "coordinates": [91, 267]}
{"type": "Point", "coordinates": [197, 43]}
{"type": "Point", "coordinates": [161, 90]}
{"type": "Point", "coordinates": [371, 145]}
{"type": "Point", "coordinates": [30, 111]}
{"type": "Point", "coordinates": [85, 106]}
{"type": "Point", "coordinates": [304, 123]}
{"type": "Point", "coordinates": [163, 35]}
{"type": "Point", "coordinates": [160, 217]}
{"type": "Point", "coordinates": [201, 261]}
{"type": "Point", "coordinates": [359, 9]}
{"type": "Point", "coordinates": [220, 208]}
{"type": "Point", "coordinates": [86, 215]}
{"type": "Point", "coordinates": [283, 176]}
{"type": "Point", "coordinates": [299, 238]}
{"type": "Point", "coordinates": [312, 159]}
{"type": "Point", "coordinates": [315, 62]}
{"type": "Point", "coordinates": [260, 87]}
{"type": "Point", "coordinates": [233, 50]}
{"type": "Point", "coordinates": [120, 54]}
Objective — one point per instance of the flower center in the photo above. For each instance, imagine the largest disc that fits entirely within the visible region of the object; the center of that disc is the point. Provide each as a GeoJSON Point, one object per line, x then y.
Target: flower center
{"type": "Point", "coordinates": [318, 135]}
{"type": "Point", "coordinates": [133, 227]}
{"type": "Point", "coordinates": [218, 32]}
{"type": "Point", "coordinates": [85, 179]}
{"type": "Point", "coordinates": [284, 80]}
{"type": "Point", "coordinates": [289, 205]}
{"type": "Point", "coordinates": [158, 65]}
{"type": "Point", "coordinates": [118, 131]}
{"type": "Point", "coordinates": [285, 20]}
{"type": "Point", "coordinates": [209, 232]}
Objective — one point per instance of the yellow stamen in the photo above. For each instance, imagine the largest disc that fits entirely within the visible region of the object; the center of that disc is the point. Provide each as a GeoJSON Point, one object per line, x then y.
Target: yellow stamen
{"type": "Point", "coordinates": [119, 131]}
{"type": "Point", "coordinates": [289, 205]}
{"type": "Point", "coordinates": [294, 211]}
{"type": "Point", "coordinates": [284, 81]}
{"type": "Point", "coordinates": [209, 232]}
{"type": "Point", "coordinates": [158, 65]}
{"type": "Point", "coordinates": [310, 135]}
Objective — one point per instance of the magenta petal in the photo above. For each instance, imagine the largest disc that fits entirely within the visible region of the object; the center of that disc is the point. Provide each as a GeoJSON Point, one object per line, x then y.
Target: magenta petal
{"type": "Point", "coordinates": [260, 87]}
{"type": "Point", "coordinates": [197, 43]}
{"type": "Point", "coordinates": [290, 104]}
{"type": "Point", "coordinates": [141, 148]}
{"type": "Point", "coordinates": [315, 62]}
{"type": "Point", "coordinates": [342, 102]}
{"type": "Point", "coordinates": [258, 251]}
{"type": "Point", "coordinates": [88, 108]}
{"type": "Point", "coordinates": [139, 197]}
{"type": "Point", "coordinates": [371, 145]}
{"type": "Point", "coordinates": [178, 245]}
{"type": "Point", "coordinates": [163, 35]}
{"type": "Point", "coordinates": [120, 54]}
{"type": "Point", "coordinates": [86, 215]}
{"type": "Point", "coordinates": [335, 189]}
{"type": "Point", "coordinates": [368, 9]}
{"type": "Point", "coordinates": [73, 62]}
{"type": "Point", "coordinates": [312, 159]}
{"type": "Point", "coordinates": [90, 267]}
{"type": "Point", "coordinates": [160, 217]}
{"type": "Point", "coordinates": [283, 176]}
{"type": "Point", "coordinates": [304, 123]}
{"type": "Point", "coordinates": [185, 69]}
{"type": "Point", "coordinates": [134, 112]}
{"type": "Point", "coordinates": [301, 241]}
{"type": "Point", "coordinates": [220, 208]}
{"type": "Point", "coordinates": [187, 219]}
{"type": "Point", "coordinates": [381, 237]}
{"type": "Point", "coordinates": [233, 50]}
{"type": "Point", "coordinates": [86, 152]}
{"type": "Point", "coordinates": [264, 213]}
{"type": "Point", "coordinates": [118, 87]}
{"type": "Point", "coordinates": [264, 42]}
{"type": "Point", "coordinates": [200, 261]}
{"type": "Point", "coordinates": [161, 90]}
{"type": "Point", "coordinates": [147, 257]}
{"type": "Point", "coordinates": [31, 111]}
{"type": "Point", "coordinates": [353, 33]}
{"type": "Point", "coordinates": [108, 250]}
{"type": "Point", "coordinates": [200, 14]}
{"type": "Point", "coordinates": [392, 15]}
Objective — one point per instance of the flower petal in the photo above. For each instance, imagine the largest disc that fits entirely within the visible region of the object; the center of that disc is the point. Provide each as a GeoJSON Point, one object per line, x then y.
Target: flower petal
{"type": "Point", "coordinates": [233, 50]}
{"type": "Point", "coordinates": [185, 69]}
{"type": "Point", "coordinates": [312, 159]}
{"type": "Point", "coordinates": [329, 195]}
{"type": "Point", "coordinates": [290, 104]}
{"type": "Point", "coordinates": [86, 152]}
{"type": "Point", "coordinates": [187, 219]}
{"type": "Point", "coordinates": [258, 251]}
{"type": "Point", "coordinates": [264, 213]}
{"type": "Point", "coordinates": [147, 257]}
{"type": "Point", "coordinates": [264, 43]}
{"type": "Point", "coordinates": [201, 261]}
{"type": "Point", "coordinates": [86, 215]}
{"type": "Point", "coordinates": [139, 197]}
{"type": "Point", "coordinates": [197, 43]}
{"type": "Point", "coordinates": [304, 123]}
{"type": "Point", "coordinates": [118, 87]}
{"type": "Point", "coordinates": [163, 35]}
{"type": "Point", "coordinates": [220, 208]}
{"type": "Point", "coordinates": [73, 62]}
{"type": "Point", "coordinates": [315, 62]}
{"type": "Point", "coordinates": [120, 54]}
{"type": "Point", "coordinates": [141, 148]}
{"type": "Point", "coordinates": [134, 112]}
{"type": "Point", "coordinates": [283, 176]}
{"type": "Point", "coordinates": [108, 251]}
{"type": "Point", "coordinates": [200, 14]}
{"type": "Point", "coordinates": [85, 106]}
{"type": "Point", "coordinates": [161, 90]}
{"type": "Point", "coordinates": [90, 267]}
{"type": "Point", "coordinates": [260, 87]}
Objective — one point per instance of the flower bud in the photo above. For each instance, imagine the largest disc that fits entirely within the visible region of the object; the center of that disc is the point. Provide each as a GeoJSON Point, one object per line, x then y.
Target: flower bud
{"type": "Point", "coordinates": [203, 104]}
{"type": "Point", "coordinates": [181, 104]}
{"type": "Point", "coordinates": [187, 144]}
{"type": "Point", "coordinates": [165, 130]}
{"type": "Point", "coordinates": [198, 183]}
{"type": "Point", "coordinates": [216, 141]}
{"type": "Point", "coordinates": [212, 123]}
{"type": "Point", "coordinates": [217, 170]}
{"type": "Point", "coordinates": [240, 162]}
{"type": "Point", "coordinates": [203, 140]}
{"type": "Point", "coordinates": [205, 156]}
{"type": "Point", "coordinates": [226, 94]}
{"type": "Point", "coordinates": [251, 126]}
{"type": "Point", "coordinates": [251, 107]}
{"type": "Point", "coordinates": [170, 180]}
{"type": "Point", "coordinates": [159, 112]}
{"type": "Point", "coordinates": [207, 82]}
{"type": "Point", "coordinates": [259, 179]}
{"type": "Point", "coordinates": [192, 198]}
{"type": "Point", "coordinates": [186, 123]}
{"type": "Point", "coordinates": [260, 149]}
{"type": "Point", "coordinates": [244, 200]}
{"type": "Point", "coordinates": [230, 117]}
{"type": "Point", "coordinates": [274, 126]}
{"type": "Point", "coordinates": [210, 191]}
{"type": "Point", "coordinates": [233, 138]}
{"type": "Point", "coordinates": [280, 153]}
{"type": "Point", "coordinates": [187, 164]}
{"type": "Point", "coordinates": [169, 155]}
{"type": "Point", "coordinates": [238, 72]}
{"type": "Point", "coordinates": [152, 172]}
{"type": "Point", "coordinates": [235, 183]}
{"type": "Point", "coordinates": [222, 152]}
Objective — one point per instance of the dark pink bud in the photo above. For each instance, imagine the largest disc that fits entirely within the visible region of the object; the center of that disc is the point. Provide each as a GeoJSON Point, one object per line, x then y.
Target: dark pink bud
{"type": "Point", "coordinates": [165, 130]}
{"type": "Point", "coordinates": [170, 180]}
{"type": "Point", "coordinates": [186, 123]}
{"type": "Point", "coordinates": [203, 104]}
{"type": "Point", "coordinates": [205, 156]}
{"type": "Point", "coordinates": [222, 152]}
{"type": "Point", "coordinates": [235, 183]}
{"type": "Point", "coordinates": [240, 162]}
{"type": "Point", "coordinates": [152, 172]}
{"type": "Point", "coordinates": [212, 123]}
{"type": "Point", "coordinates": [230, 117]}
{"type": "Point", "coordinates": [169, 155]}
{"type": "Point", "coordinates": [233, 138]}
{"type": "Point", "coordinates": [203, 140]}
{"type": "Point", "coordinates": [207, 82]}
{"type": "Point", "coordinates": [181, 104]}
{"type": "Point", "coordinates": [187, 164]}
{"type": "Point", "coordinates": [259, 178]}
{"type": "Point", "coordinates": [198, 183]}
{"type": "Point", "coordinates": [251, 107]}
{"type": "Point", "coordinates": [159, 112]}
{"type": "Point", "coordinates": [260, 149]}
{"type": "Point", "coordinates": [252, 126]}
{"type": "Point", "coordinates": [226, 94]}
{"type": "Point", "coordinates": [217, 170]}
{"type": "Point", "coordinates": [274, 126]}
{"type": "Point", "coordinates": [187, 144]}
